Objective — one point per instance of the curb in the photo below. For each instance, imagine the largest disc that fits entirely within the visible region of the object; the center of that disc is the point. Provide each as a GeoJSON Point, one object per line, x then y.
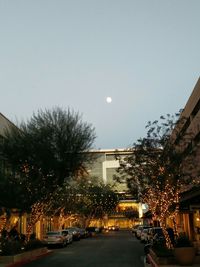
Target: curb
{"type": "Point", "coordinates": [21, 263]}
{"type": "Point", "coordinates": [151, 261]}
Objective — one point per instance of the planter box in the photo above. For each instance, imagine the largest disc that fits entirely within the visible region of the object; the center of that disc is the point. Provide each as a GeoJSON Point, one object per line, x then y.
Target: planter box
{"type": "Point", "coordinates": [168, 260]}
{"type": "Point", "coordinates": [24, 256]}
{"type": "Point", "coordinates": [185, 255]}
{"type": "Point", "coordinates": [197, 259]}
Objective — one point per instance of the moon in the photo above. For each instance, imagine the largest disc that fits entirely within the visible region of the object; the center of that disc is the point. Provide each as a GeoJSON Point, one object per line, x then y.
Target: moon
{"type": "Point", "coordinates": [108, 99]}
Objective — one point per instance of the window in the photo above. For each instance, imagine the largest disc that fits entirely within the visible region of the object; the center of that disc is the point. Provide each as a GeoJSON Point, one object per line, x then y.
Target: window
{"type": "Point", "coordinates": [196, 109]}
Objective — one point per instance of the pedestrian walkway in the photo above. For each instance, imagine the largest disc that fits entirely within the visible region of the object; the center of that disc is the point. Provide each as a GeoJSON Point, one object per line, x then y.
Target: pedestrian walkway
{"type": "Point", "coordinates": [194, 265]}
{"type": "Point", "coordinates": [154, 264]}
{"type": "Point", "coordinates": [25, 260]}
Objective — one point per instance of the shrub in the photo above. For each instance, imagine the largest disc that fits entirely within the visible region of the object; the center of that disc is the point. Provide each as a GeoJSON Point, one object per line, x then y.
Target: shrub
{"type": "Point", "coordinates": [161, 250]}
{"type": "Point", "coordinates": [10, 247]}
{"type": "Point", "coordinates": [183, 241]}
{"type": "Point", "coordinates": [33, 244]}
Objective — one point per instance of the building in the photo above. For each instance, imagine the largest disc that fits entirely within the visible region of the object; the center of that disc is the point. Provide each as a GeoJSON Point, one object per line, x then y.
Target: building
{"type": "Point", "coordinates": [15, 217]}
{"type": "Point", "coordinates": [5, 124]}
{"type": "Point", "coordinates": [105, 168]}
{"type": "Point", "coordinates": [186, 138]}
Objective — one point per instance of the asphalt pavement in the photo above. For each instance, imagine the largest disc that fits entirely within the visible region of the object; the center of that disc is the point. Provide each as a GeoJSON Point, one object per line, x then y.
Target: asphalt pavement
{"type": "Point", "coordinates": [112, 249]}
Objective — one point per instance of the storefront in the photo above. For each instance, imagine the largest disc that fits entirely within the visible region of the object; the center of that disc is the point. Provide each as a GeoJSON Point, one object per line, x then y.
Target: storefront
{"type": "Point", "coordinates": [189, 216]}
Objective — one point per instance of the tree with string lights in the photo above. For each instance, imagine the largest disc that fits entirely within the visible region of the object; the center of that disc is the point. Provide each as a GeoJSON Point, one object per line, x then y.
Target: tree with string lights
{"type": "Point", "coordinates": [85, 198]}
{"type": "Point", "coordinates": [43, 153]}
{"type": "Point", "coordinates": [155, 168]}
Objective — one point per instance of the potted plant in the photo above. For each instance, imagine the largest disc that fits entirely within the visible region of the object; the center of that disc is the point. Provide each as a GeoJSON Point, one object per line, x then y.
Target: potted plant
{"type": "Point", "coordinates": [184, 250]}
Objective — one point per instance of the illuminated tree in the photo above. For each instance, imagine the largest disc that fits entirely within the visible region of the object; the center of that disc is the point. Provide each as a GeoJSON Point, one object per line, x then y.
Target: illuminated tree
{"type": "Point", "coordinates": [86, 198]}
{"type": "Point", "coordinates": [156, 168]}
{"type": "Point", "coordinates": [45, 151]}
{"type": "Point", "coordinates": [102, 200]}
{"type": "Point", "coordinates": [11, 198]}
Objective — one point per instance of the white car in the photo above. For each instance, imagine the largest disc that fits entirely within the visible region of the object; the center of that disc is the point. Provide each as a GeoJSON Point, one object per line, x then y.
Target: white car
{"type": "Point", "coordinates": [69, 236]}
{"type": "Point", "coordinates": [140, 229]}
{"type": "Point", "coordinates": [60, 237]}
{"type": "Point", "coordinates": [134, 228]}
{"type": "Point", "coordinates": [144, 235]}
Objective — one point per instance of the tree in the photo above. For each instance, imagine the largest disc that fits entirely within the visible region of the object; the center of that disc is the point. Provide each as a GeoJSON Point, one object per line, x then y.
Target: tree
{"type": "Point", "coordinates": [86, 198]}
{"type": "Point", "coordinates": [46, 151]}
{"type": "Point", "coordinates": [102, 200]}
{"type": "Point", "coordinates": [155, 166]}
{"type": "Point", "coordinates": [11, 197]}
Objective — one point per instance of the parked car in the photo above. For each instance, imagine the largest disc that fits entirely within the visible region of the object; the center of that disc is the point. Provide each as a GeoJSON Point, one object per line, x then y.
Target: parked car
{"type": "Point", "coordinates": [140, 229]}
{"type": "Point", "coordinates": [59, 237]}
{"type": "Point", "coordinates": [69, 236]}
{"type": "Point", "coordinates": [75, 233]}
{"type": "Point", "coordinates": [148, 235]}
{"type": "Point", "coordinates": [113, 228]}
{"type": "Point", "coordinates": [156, 235]}
{"type": "Point", "coordinates": [144, 235]}
{"type": "Point", "coordinates": [134, 228]}
{"type": "Point", "coordinates": [83, 232]}
{"type": "Point", "coordinates": [92, 230]}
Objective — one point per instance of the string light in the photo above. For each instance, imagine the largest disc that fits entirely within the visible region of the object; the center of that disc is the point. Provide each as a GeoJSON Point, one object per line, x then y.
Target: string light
{"type": "Point", "coordinates": [160, 199]}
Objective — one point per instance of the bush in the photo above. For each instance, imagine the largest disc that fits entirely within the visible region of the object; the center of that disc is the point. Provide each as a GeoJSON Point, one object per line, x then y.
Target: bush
{"type": "Point", "coordinates": [183, 241]}
{"type": "Point", "coordinates": [163, 252]}
{"type": "Point", "coordinates": [33, 244]}
{"type": "Point", "coordinates": [10, 247]}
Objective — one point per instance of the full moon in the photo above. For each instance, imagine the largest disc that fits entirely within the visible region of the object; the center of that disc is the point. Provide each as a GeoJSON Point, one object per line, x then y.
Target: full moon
{"type": "Point", "coordinates": [108, 99]}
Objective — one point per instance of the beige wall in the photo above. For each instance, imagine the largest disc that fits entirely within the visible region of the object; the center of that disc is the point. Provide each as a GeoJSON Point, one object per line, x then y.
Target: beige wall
{"type": "Point", "coordinates": [4, 124]}
{"type": "Point", "coordinates": [186, 137]}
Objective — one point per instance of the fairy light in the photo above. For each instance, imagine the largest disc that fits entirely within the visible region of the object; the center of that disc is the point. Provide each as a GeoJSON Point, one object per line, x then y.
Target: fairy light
{"type": "Point", "coordinates": [159, 200]}
{"type": "Point", "coordinates": [37, 211]}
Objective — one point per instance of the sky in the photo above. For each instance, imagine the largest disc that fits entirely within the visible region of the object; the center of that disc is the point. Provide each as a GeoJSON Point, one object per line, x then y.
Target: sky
{"type": "Point", "coordinates": [144, 54]}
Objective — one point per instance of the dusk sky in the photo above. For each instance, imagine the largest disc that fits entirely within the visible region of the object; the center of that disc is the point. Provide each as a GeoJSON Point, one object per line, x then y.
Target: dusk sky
{"type": "Point", "coordinates": [144, 54]}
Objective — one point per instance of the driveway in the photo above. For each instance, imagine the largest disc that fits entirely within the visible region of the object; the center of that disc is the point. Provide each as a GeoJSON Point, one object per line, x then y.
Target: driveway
{"type": "Point", "coordinates": [112, 249]}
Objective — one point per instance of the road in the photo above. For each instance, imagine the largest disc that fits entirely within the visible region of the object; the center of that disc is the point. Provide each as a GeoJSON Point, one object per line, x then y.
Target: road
{"type": "Point", "coordinates": [112, 249]}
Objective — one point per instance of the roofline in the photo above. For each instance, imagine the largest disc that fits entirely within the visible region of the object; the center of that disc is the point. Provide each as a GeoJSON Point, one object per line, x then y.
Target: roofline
{"type": "Point", "coordinates": [8, 120]}
{"type": "Point", "coordinates": [125, 150]}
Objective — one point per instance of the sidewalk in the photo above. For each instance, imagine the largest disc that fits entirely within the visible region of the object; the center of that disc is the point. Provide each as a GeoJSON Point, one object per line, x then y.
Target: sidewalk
{"type": "Point", "coordinates": [194, 265]}
{"type": "Point", "coordinates": [22, 262]}
{"type": "Point", "coordinates": [154, 264]}
{"type": "Point", "coordinates": [149, 265]}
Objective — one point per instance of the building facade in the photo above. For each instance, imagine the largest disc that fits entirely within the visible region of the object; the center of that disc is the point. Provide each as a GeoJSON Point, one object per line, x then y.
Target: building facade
{"type": "Point", "coordinates": [186, 138]}
{"type": "Point", "coordinates": [105, 168]}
